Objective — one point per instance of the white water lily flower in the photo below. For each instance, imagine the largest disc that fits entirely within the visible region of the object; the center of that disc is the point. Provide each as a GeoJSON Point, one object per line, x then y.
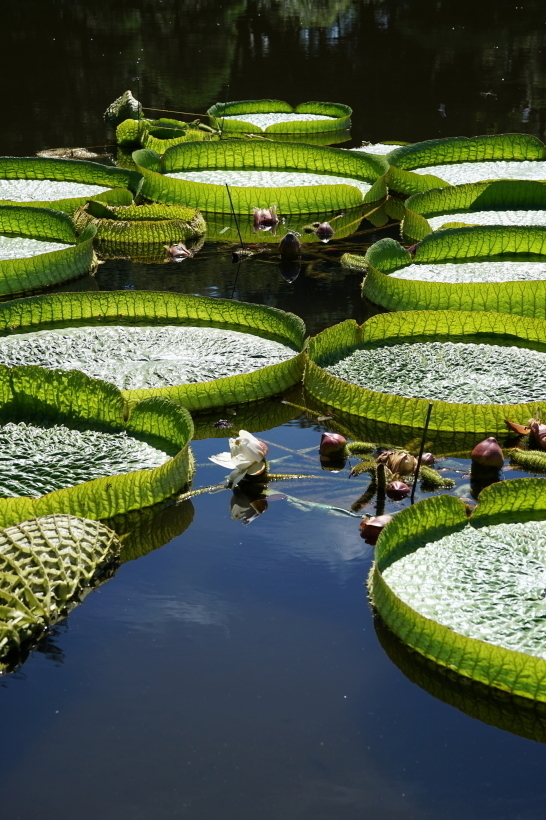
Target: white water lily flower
{"type": "Point", "coordinates": [246, 457]}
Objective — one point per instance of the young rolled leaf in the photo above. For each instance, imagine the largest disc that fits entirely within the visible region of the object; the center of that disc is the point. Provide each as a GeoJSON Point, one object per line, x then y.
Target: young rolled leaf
{"type": "Point", "coordinates": [47, 267]}
{"type": "Point", "coordinates": [244, 156]}
{"type": "Point", "coordinates": [500, 155]}
{"type": "Point", "coordinates": [133, 307]}
{"type": "Point", "coordinates": [421, 327]}
{"type": "Point", "coordinates": [502, 251]}
{"type": "Point", "coordinates": [486, 659]}
{"type": "Point", "coordinates": [120, 229]}
{"type": "Point", "coordinates": [32, 394]}
{"type": "Point", "coordinates": [333, 117]}
{"type": "Point", "coordinates": [45, 565]}
{"type": "Point", "coordinates": [64, 184]}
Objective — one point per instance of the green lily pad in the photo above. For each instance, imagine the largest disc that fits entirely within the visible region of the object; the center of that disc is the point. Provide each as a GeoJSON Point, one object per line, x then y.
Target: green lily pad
{"type": "Point", "coordinates": [506, 531]}
{"type": "Point", "coordinates": [64, 184]}
{"type": "Point", "coordinates": [211, 160]}
{"type": "Point", "coordinates": [45, 566]}
{"type": "Point", "coordinates": [39, 248]}
{"type": "Point", "coordinates": [457, 160]}
{"type": "Point", "coordinates": [469, 268]}
{"type": "Point", "coordinates": [256, 350]}
{"type": "Point", "coordinates": [383, 336]}
{"type": "Point", "coordinates": [274, 117]}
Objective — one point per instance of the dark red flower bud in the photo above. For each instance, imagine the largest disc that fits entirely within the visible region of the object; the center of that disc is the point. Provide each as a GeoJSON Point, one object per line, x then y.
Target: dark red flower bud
{"type": "Point", "coordinates": [428, 460]}
{"type": "Point", "coordinates": [332, 443]}
{"type": "Point", "coordinates": [371, 528]}
{"type": "Point", "coordinates": [538, 435]}
{"type": "Point", "coordinates": [488, 454]}
{"type": "Point", "coordinates": [396, 490]}
{"type": "Point", "coordinates": [324, 231]}
{"type": "Point", "coordinates": [289, 246]}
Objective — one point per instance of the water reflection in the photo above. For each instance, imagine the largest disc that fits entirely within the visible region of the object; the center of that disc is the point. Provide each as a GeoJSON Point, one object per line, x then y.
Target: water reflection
{"type": "Point", "coordinates": [512, 714]}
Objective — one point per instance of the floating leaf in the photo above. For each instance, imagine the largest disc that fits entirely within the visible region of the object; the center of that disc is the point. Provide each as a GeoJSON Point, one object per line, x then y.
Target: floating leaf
{"type": "Point", "coordinates": [132, 308]}
{"type": "Point", "coordinates": [418, 326]}
{"type": "Point", "coordinates": [18, 275]}
{"type": "Point", "coordinates": [500, 652]}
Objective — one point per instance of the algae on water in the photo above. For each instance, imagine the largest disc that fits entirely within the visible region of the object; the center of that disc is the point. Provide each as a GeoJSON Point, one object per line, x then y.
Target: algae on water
{"type": "Point", "coordinates": [144, 357]}
{"type": "Point", "coordinates": [448, 371]}
{"type": "Point", "coordinates": [37, 460]}
{"type": "Point", "coordinates": [487, 583]}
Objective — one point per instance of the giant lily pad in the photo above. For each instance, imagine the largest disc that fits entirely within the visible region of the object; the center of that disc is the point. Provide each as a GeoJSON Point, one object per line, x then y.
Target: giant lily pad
{"type": "Point", "coordinates": [274, 117]}
{"type": "Point", "coordinates": [504, 202]}
{"type": "Point", "coordinates": [483, 580]}
{"type": "Point", "coordinates": [46, 564]}
{"type": "Point", "coordinates": [158, 135]}
{"type": "Point", "coordinates": [401, 351]}
{"type": "Point", "coordinates": [129, 228]}
{"type": "Point", "coordinates": [64, 184]}
{"type": "Point", "coordinates": [475, 268]}
{"type": "Point", "coordinates": [44, 400]}
{"type": "Point", "coordinates": [296, 178]}
{"type": "Point", "coordinates": [457, 160]}
{"type": "Point", "coordinates": [40, 248]}
{"type": "Point", "coordinates": [185, 344]}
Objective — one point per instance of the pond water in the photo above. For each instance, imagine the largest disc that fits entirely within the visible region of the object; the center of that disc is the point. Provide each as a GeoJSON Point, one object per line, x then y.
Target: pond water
{"type": "Point", "coordinates": [237, 672]}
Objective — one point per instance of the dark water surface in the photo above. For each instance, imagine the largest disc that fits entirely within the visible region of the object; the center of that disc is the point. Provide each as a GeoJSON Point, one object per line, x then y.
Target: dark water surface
{"type": "Point", "coordinates": [237, 671]}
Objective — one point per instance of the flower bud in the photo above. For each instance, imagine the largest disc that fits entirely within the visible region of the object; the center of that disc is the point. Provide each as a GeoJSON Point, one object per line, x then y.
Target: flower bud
{"type": "Point", "coordinates": [488, 454]}
{"type": "Point", "coordinates": [398, 461]}
{"type": "Point", "coordinates": [324, 231]}
{"type": "Point", "coordinates": [289, 246]}
{"type": "Point", "coordinates": [428, 460]}
{"type": "Point", "coordinates": [371, 528]}
{"type": "Point", "coordinates": [331, 443]}
{"type": "Point", "coordinates": [538, 435]}
{"type": "Point", "coordinates": [396, 490]}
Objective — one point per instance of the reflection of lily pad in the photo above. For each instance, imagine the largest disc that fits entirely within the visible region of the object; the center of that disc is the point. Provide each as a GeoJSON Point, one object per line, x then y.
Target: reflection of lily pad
{"type": "Point", "coordinates": [417, 328]}
{"type": "Point", "coordinates": [254, 417]}
{"type": "Point", "coordinates": [243, 156]}
{"type": "Point", "coordinates": [359, 428]}
{"type": "Point", "coordinates": [143, 531]}
{"type": "Point", "coordinates": [190, 381]}
{"type": "Point", "coordinates": [222, 227]}
{"type": "Point", "coordinates": [512, 714]}
{"type": "Point", "coordinates": [510, 660]}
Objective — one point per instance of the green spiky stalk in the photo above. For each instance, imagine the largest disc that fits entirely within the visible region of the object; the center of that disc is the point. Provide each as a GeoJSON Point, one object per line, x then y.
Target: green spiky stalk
{"type": "Point", "coordinates": [532, 460]}
{"type": "Point", "coordinates": [434, 480]}
{"type": "Point", "coordinates": [358, 447]}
